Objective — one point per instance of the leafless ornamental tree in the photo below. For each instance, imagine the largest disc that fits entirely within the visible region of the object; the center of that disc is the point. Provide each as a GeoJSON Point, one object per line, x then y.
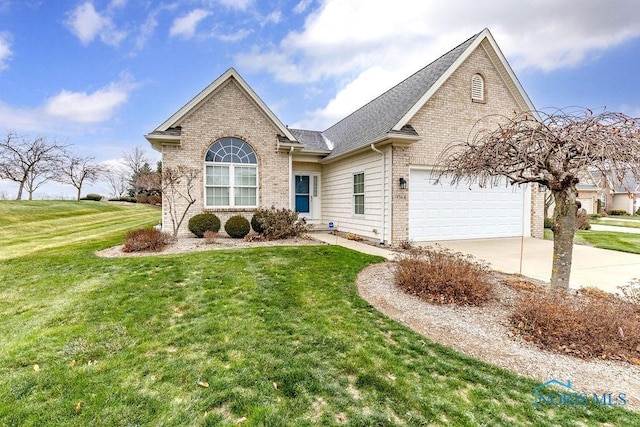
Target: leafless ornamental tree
{"type": "Point", "coordinates": [179, 187]}
{"type": "Point", "coordinates": [552, 150]}
{"type": "Point", "coordinates": [24, 159]}
{"type": "Point", "coordinates": [77, 171]}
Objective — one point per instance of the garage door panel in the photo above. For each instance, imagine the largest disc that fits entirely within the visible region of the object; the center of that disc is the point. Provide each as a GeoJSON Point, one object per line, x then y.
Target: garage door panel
{"type": "Point", "coordinates": [444, 212]}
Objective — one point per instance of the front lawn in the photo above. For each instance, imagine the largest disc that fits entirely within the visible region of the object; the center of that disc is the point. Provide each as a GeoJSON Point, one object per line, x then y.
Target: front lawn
{"type": "Point", "coordinates": [269, 336]}
{"type": "Point", "coordinates": [623, 242]}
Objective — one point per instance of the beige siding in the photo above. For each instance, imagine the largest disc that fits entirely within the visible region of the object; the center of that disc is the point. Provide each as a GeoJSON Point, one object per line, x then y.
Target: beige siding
{"type": "Point", "coordinates": [337, 195]}
{"type": "Point", "coordinates": [622, 202]}
{"type": "Point", "coordinates": [229, 111]}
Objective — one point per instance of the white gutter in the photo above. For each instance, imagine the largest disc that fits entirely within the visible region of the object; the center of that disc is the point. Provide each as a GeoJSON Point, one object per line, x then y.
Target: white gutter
{"type": "Point", "coordinates": [290, 177]}
{"type": "Point", "coordinates": [384, 191]}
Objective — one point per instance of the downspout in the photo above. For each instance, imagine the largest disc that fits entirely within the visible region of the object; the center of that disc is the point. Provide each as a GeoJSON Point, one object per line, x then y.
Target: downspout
{"type": "Point", "coordinates": [290, 177]}
{"type": "Point", "coordinates": [384, 191]}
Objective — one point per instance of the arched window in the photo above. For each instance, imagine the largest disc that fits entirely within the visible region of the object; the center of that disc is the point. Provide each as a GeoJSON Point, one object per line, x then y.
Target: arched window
{"type": "Point", "coordinates": [231, 174]}
{"type": "Point", "coordinates": [477, 88]}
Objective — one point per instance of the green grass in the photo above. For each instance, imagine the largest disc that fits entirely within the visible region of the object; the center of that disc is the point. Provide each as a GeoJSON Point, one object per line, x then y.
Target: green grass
{"type": "Point", "coordinates": [618, 222]}
{"type": "Point", "coordinates": [30, 226]}
{"type": "Point", "coordinates": [623, 242]}
{"type": "Point", "coordinates": [279, 334]}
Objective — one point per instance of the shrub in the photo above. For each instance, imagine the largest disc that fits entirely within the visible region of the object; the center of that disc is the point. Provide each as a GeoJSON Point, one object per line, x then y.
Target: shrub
{"type": "Point", "coordinates": [124, 199]}
{"type": "Point", "coordinates": [595, 216]}
{"type": "Point", "coordinates": [582, 220]}
{"type": "Point", "coordinates": [155, 200]}
{"type": "Point", "coordinates": [258, 220]}
{"type": "Point", "coordinates": [617, 212]}
{"type": "Point", "coordinates": [406, 245]}
{"type": "Point", "coordinates": [441, 276]}
{"type": "Point", "coordinates": [94, 197]}
{"type": "Point", "coordinates": [254, 237]}
{"type": "Point", "coordinates": [142, 198]}
{"type": "Point", "coordinates": [548, 223]}
{"type": "Point", "coordinates": [237, 226]}
{"type": "Point", "coordinates": [631, 291]}
{"type": "Point", "coordinates": [278, 223]}
{"type": "Point", "coordinates": [590, 326]}
{"type": "Point", "coordinates": [145, 240]}
{"type": "Point", "coordinates": [200, 223]}
{"type": "Point", "coordinates": [210, 237]}
{"type": "Point", "coordinates": [353, 236]}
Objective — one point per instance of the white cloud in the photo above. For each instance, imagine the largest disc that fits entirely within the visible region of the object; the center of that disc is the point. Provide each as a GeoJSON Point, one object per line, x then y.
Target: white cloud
{"type": "Point", "coordinates": [236, 4]}
{"type": "Point", "coordinates": [403, 36]}
{"type": "Point", "coordinates": [272, 18]}
{"type": "Point", "coordinates": [87, 24]}
{"type": "Point", "coordinates": [69, 111]}
{"type": "Point", "coordinates": [94, 107]}
{"type": "Point", "coordinates": [185, 26]}
{"type": "Point", "coordinates": [5, 49]}
{"type": "Point", "coordinates": [302, 6]}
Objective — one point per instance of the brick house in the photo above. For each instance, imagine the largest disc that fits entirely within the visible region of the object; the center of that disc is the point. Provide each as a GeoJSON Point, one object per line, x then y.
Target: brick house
{"type": "Point", "coordinates": [370, 173]}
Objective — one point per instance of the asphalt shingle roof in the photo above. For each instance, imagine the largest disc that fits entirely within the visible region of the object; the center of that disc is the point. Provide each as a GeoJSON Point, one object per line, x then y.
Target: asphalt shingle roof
{"type": "Point", "coordinates": [311, 139]}
{"type": "Point", "coordinates": [377, 118]}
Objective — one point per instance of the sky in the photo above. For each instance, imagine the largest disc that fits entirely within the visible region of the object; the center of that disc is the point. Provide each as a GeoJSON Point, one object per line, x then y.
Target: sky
{"type": "Point", "coordinates": [100, 74]}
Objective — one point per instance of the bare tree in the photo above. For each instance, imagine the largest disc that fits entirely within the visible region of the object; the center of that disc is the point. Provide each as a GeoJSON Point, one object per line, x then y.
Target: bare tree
{"type": "Point", "coordinates": [33, 160]}
{"type": "Point", "coordinates": [552, 150]}
{"type": "Point", "coordinates": [117, 180]}
{"type": "Point", "coordinates": [179, 187]}
{"type": "Point", "coordinates": [136, 162]}
{"type": "Point", "coordinates": [40, 174]}
{"type": "Point", "coordinates": [77, 171]}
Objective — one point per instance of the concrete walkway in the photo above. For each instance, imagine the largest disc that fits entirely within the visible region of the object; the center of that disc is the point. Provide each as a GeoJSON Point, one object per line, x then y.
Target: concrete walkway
{"type": "Point", "coordinates": [356, 246]}
{"type": "Point", "coordinates": [591, 266]}
{"type": "Point", "coordinates": [599, 268]}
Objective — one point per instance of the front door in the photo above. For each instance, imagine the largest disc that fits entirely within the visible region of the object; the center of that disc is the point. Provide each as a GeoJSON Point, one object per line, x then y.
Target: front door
{"type": "Point", "coordinates": [307, 200]}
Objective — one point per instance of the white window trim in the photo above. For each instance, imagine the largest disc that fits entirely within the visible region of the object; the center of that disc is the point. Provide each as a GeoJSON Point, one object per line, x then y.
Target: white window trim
{"type": "Point", "coordinates": [232, 186]}
{"type": "Point", "coordinates": [354, 194]}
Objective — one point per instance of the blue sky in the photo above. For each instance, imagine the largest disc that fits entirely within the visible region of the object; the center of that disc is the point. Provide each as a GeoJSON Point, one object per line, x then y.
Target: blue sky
{"type": "Point", "coordinates": [102, 73]}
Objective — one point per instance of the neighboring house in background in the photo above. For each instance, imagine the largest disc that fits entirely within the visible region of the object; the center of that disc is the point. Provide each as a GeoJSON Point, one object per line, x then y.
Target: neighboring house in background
{"type": "Point", "coordinates": [589, 193]}
{"type": "Point", "coordinates": [618, 195]}
{"type": "Point", "coordinates": [370, 173]}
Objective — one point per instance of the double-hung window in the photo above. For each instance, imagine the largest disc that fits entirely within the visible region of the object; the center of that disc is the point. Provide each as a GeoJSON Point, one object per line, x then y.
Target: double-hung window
{"type": "Point", "coordinates": [358, 193]}
{"type": "Point", "coordinates": [231, 174]}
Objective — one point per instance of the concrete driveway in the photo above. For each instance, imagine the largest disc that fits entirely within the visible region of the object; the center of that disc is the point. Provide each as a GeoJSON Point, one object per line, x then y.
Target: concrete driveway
{"type": "Point", "coordinates": [600, 268]}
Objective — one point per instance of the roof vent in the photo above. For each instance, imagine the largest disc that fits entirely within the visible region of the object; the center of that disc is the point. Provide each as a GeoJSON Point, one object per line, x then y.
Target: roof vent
{"type": "Point", "coordinates": [477, 88]}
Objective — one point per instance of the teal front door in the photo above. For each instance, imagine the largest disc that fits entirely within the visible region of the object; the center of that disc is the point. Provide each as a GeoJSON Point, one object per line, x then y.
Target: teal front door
{"type": "Point", "coordinates": [303, 195]}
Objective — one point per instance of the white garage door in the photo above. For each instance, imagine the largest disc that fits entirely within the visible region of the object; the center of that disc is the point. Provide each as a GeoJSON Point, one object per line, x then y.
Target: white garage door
{"type": "Point", "coordinates": [445, 212]}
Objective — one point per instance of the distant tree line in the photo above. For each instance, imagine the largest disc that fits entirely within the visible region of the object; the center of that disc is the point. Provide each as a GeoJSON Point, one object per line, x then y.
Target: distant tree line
{"type": "Point", "coordinates": [32, 162]}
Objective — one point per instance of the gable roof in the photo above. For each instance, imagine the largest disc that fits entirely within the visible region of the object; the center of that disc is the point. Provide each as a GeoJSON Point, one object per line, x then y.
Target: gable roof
{"type": "Point", "coordinates": [390, 113]}
{"type": "Point", "coordinates": [170, 127]}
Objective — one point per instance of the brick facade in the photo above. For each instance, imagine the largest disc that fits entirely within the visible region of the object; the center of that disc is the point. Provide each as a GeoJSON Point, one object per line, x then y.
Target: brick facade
{"type": "Point", "coordinates": [448, 117]}
{"type": "Point", "coordinates": [230, 112]}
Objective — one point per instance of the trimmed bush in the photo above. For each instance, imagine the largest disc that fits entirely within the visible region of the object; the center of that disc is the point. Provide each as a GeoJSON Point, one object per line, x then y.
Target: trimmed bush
{"type": "Point", "coordinates": [199, 224]}
{"type": "Point", "coordinates": [548, 223]}
{"type": "Point", "coordinates": [145, 239]}
{"type": "Point", "coordinates": [237, 226]}
{"type": "Point", "coordinates": [124, 199]}
{"type": "Point", "coordinates": [617, 212]}
{"type": "Point", "coordinates": [278, 223]}
{"type": "Point", "coordinates": [94, 197]}
{"type": "Point", "coordinates": [258, 220]}
{"type": "Point", "coordinates": [441, 276]}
